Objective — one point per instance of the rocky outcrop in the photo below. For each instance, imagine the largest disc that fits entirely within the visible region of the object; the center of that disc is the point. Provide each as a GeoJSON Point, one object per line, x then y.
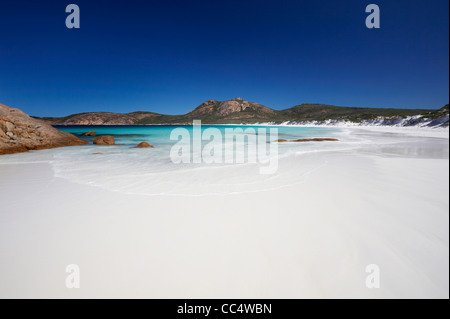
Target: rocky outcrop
{"type": "Point", "coordinates": [303, 140]}
{"type": "Point", "coordinates": [239, 105]}
{"type": "Point", "coordinates": [144, 145]}
{"type": "Point", "coordinates": [231, 107]}
{"type": "Point", "coordinates": [89, 134]}
{"type": "Point", "coordinates": [205, 109]}
{"type": "Point", "coordinates": [105, 140]}
{"type": "Point", "coordinates": [21, 133]}
{"type": "Point", "coordinates": [316, 140]}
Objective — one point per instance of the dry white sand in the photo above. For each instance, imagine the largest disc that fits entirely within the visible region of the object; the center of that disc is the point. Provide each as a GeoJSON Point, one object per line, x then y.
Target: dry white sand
{"type": "Point", "coordinates": [379, 204]}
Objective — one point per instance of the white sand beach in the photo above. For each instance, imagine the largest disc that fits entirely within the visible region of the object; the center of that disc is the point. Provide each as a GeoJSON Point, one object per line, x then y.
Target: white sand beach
{"type": "Point", "coordinates": [308, 232]}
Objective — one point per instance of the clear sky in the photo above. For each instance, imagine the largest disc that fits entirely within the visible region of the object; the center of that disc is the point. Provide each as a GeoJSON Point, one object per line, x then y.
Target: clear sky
{"type": "Point", "coordinates": [169, 56]}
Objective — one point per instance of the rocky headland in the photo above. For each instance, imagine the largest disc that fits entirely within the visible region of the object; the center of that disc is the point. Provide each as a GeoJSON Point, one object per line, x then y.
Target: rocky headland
{"type": "Point", "coordinates": [21, 133]}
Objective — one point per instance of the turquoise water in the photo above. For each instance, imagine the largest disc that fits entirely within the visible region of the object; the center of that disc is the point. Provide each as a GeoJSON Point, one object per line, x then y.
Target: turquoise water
{"type": "Point", "coordinates": [160, 135]}
{"type": "Point", "coordinates": [123, 168]}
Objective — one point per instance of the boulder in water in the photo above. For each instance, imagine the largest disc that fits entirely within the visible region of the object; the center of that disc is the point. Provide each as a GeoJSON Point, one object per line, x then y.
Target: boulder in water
{"type": "Point", "coordinates": [105, 140]}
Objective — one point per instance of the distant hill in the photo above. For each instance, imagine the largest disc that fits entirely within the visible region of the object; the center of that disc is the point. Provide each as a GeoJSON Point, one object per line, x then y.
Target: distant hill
{"type": "Point", "coordinates": [239, 111]}
{"type": "Point", "coordinates": [100, 118]}
{"type": "Point", "coordinates": [320, 112]}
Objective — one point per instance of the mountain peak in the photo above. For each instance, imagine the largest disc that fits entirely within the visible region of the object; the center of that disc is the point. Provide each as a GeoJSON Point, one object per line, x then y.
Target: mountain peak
{"type": "Point", "coordinates": [229, 107]}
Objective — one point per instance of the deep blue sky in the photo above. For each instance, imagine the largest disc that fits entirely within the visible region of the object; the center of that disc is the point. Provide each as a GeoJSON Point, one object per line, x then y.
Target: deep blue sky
{"type": "Point", "coordinates": [169, 56]}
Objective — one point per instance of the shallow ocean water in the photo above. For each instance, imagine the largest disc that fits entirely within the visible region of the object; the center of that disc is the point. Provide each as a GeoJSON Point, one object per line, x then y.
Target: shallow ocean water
{"type": "Point", "coordinates": [155, 171]}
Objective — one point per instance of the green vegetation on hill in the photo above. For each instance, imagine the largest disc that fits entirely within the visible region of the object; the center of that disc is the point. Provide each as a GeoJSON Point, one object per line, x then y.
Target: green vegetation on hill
{"type": "Point", "coordinates": [299, 113]}
{"type": "Point", "coordinates": [238, 111]}
{"type": "Point", "coordinates": [320, 112]}
{"type": "Point", "coordinates": [441, 112]}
